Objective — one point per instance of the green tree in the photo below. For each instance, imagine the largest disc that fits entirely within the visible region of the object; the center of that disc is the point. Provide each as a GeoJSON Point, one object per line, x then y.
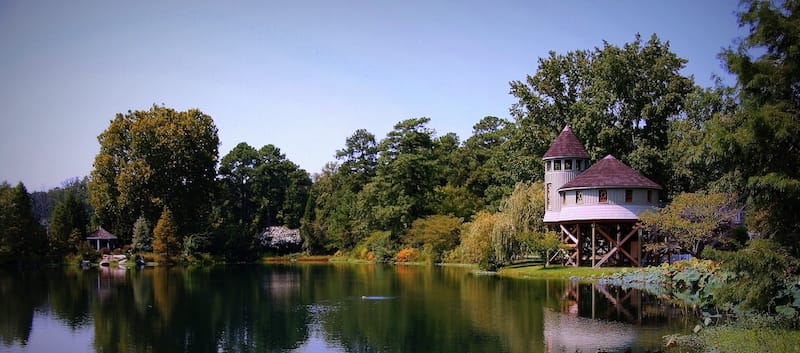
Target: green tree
{"type": "Point", "coordinates": [694, 164]}
{"type": "Point", "coordinates": [69, 217]}
{"type": "Point", "coordinates": [359, 158]}
{"type": "Point", "coordinates": [690, 222]}
{"type": "Point", "coordinates": [618, 100]}
{"type": "Point", "coordinates": [486, 171]}
{"type": "Point", "coordinates": [263, 188]}
{"type": "Point", "coordinates": [403, 187]}
{"type": "Point", "coordinates": [22, 239]}
{"type": "Point", "coordinates": [153, 159]}
{"type": "Point", "coordinates": [435, 235]}
{"type": "Point", "coordinates": [519, 226]}
{"type": "Point", "coordinates": [166, 241]}
{"type": "Point", "coordinates": [142, 238]}
{"type": "Point", "coordinates": [763, 138]}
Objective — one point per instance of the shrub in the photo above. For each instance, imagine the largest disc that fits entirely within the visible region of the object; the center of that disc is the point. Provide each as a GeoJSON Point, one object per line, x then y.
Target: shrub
{"type": "Point", "coordinates": [476, 242]}
{"type": "Point", "coordinates": [436, 234]}
{"type": "Point", "coordinates": [378, 246]}
{"type": "Point", "coordinates": [763, 278]}
{"type": "Point", "coordinates": [408, 255]}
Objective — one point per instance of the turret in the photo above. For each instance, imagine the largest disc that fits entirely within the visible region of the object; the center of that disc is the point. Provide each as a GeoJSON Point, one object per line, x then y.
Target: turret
{"type": "Point", "coordinates": [564, 160]}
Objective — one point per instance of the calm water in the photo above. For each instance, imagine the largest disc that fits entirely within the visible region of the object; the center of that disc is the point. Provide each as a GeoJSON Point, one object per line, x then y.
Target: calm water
{"type": "Point", "coordinates": [321, 308]}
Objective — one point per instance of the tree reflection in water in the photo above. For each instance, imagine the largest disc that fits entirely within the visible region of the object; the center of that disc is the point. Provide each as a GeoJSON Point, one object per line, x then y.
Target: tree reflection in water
{"type": "Point", "coordinates": [310, 308]}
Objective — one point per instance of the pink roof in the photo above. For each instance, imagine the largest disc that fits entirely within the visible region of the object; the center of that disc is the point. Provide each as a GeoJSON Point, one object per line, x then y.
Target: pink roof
{"type": "Point", "coordinates": [101, 233]}
{"type": "Point", "coordinates": [611, 173]}
{"type": "Point", "coordinates": [566, 145]}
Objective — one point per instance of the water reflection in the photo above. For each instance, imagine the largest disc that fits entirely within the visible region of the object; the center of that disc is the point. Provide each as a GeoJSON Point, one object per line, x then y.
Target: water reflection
{"type": "Point", "coordinates": [313, 308]}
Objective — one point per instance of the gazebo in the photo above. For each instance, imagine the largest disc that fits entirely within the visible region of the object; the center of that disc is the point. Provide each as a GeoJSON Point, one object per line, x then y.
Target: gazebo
{"type": "Point", "coordinates": [101, 235]}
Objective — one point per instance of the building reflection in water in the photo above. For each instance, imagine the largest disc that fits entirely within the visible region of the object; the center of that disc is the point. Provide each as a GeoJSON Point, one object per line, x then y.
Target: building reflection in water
{"type": "Point", "coordinates": [596, 317]}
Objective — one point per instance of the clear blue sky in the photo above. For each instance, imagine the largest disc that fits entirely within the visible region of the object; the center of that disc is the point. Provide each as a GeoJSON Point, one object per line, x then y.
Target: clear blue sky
{"type": "Point", "coordinates": [302, 75]}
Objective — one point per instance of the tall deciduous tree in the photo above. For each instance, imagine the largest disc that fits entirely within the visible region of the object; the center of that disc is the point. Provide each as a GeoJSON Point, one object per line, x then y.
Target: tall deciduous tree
{"type": "Point", "coordinates": [263, 188]}
{"type": "Point", "coordinates": [153, 159]}
{"type": "Point", "coordinates": [763, 138]}
{"type": "Point", "coordinates": [618, 100]}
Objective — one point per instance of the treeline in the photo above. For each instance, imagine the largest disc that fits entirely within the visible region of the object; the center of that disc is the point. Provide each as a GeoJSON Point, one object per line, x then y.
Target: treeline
{"type": "Point", "coordinates": [416, 194]}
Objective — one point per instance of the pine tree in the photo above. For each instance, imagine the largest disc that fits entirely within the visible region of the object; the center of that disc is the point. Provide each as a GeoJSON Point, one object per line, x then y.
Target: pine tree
{"type": "Point", "coordinates": [142, 238]}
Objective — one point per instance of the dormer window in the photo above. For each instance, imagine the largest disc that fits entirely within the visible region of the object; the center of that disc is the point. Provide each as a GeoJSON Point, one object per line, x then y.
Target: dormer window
{"type": "Point", "coordinates": [602, 196]}
{"type": "Point", "coordinates": [579, 165]}
{"type": "Point", "coordinates": [568, 164]}
{"type": "Point", "coordinates": [579, 197]}
{"type": "Point", "coordinates": [628, 196]}
{"type": "Point", "coordinates": [649, 196]}
{"type": "Point", "coordinates": [547, 165]}
{"type": "Point", "coordinates": [557, 164]}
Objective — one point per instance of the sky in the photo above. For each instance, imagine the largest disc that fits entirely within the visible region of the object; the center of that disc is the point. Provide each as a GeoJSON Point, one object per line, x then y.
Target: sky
{"type": "Point", "coordinates": [301, 75]}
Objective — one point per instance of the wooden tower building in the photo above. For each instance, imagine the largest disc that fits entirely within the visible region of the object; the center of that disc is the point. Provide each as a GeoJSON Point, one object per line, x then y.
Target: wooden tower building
{"type": "Point", "coordinates": [595, 208]}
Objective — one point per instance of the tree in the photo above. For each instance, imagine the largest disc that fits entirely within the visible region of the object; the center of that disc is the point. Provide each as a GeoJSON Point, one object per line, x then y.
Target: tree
{"type": "Point", "coordinates": [519, 226]}
{"type": "Point", "coordinates": [694, 164]}
{"type": "Point", "coordinates": [486, 171]}
{"type": "Point", "coordinates": [263, 188]}
{"type": "Point", "coordinates": [618, 100]}
{"type": "Point", "coordinates": [154, 159]}
{"type": "Point", "coordinates": [359, 158]}
{"type": "Point", "coordinates": [69, 217]}
{"type": "Point", "coordinates": [763, 138]}
{"type": "Point", "coordinates": [165, 236]}
{"type": "Point", "coordinates": [22, 239]}
{"type": "Point", "coordinates": [475, 245]}
{"type": "Point", "coordinates": [691, 222]}
{"type": "Point", "coordinates": [434, 234]}
{"type": "Point", "coordinates": [142, 238]}
{"type": "Point", "coordinates": [406, 176]}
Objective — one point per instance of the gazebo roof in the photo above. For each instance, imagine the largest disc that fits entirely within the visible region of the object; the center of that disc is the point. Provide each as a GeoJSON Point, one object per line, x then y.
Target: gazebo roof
{"type": "Point", "coordinates": [609, 172]}
{"type": "Point", "coordinates": [101, 234]}
{"type": "Point", "coordinates": [566, 145]}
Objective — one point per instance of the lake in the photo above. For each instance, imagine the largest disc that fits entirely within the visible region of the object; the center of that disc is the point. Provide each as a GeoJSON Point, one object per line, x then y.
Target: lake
{"type": "Point", "coordinates": [322, 308]}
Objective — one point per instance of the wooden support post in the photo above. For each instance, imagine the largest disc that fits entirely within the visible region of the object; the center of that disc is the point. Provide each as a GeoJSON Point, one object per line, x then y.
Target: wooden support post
{"type": "Point", "coordinates": [579, 244]}
{"type": "Point", "coordinates": [640, 246]}
{"type": "Point", "coordinates": [594, 248]}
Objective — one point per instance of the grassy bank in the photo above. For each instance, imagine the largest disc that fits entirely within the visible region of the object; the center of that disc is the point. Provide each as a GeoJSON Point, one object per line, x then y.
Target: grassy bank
{"type": "Point", "coordinates": [559, 272]}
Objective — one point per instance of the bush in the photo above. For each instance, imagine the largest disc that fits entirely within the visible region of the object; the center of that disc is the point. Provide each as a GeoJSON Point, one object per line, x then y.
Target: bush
{"type": "Point", "coordinates": [763, 278]}
{"type": "Point", "coordinates": [378, 246]}
{"type": "Point", "coordinates": [408, 255]}
{"type": "Point", "coordinates": [476, 242]}
{"type": "Point", "coordinates": [436, 234]}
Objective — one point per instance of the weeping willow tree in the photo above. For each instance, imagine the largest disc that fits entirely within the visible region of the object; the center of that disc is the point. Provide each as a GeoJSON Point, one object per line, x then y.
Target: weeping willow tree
{"type": "Point", "coordinates": [519, 228]}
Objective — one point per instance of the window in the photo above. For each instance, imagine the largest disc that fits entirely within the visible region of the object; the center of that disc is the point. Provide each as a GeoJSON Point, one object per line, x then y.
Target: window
{"type": "Point", "coordinates": [579, 164]}
{"type": "Point", "coordinates": [579, 197]}
{"type": "Point", "coordinates": [649, 196]}
{"type": "Point", "coordinates": [563, 197]}
{"type": "Point", "coordinates": [557, 165]}
{"type": "Point", "coordinates": [603, 196]}
{"type": "Point", "coordinates": [568, 164]}
{"type": "Point", "coordinates": [547, 197]}
{"type": "Point", "coordinates": [547, 165]}
{"type": "Point", "coordinates": [628, 196]}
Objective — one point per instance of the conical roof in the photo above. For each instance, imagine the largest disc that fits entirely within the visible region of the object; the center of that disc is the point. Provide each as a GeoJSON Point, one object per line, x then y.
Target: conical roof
{"type": "Point", "coordinates": [101, 233]}
{"type": "Point", "coordinates": [611, 173]}
{"type": "Point", "coordinates": [566, 145]}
